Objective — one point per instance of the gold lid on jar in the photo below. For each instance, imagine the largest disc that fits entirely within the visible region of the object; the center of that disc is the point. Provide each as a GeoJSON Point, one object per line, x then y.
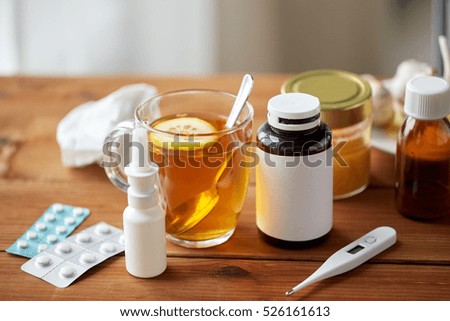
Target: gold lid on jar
{"type": "Point", "coordinates": [344, 96]}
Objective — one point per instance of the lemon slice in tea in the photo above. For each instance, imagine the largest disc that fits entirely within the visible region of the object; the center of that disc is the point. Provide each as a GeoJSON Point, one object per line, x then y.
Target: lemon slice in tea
{"type": "Point", "coordinates": [183, 133]}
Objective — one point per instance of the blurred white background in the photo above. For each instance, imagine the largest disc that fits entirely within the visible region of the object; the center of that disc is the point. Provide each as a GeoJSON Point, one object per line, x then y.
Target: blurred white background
{"type": "Point", "coordinates": [195, 37]}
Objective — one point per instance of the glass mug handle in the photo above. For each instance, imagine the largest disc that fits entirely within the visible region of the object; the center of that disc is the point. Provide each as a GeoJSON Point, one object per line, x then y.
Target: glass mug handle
{"type": "Point", "coordinates": [114, 158]}
{"type": "Point", "coordinates": [114, 155]}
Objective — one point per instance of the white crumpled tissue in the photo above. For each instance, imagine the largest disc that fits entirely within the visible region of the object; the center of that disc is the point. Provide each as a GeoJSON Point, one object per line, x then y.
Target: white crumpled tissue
{"type": "Point", "coordinates": [81, 133]}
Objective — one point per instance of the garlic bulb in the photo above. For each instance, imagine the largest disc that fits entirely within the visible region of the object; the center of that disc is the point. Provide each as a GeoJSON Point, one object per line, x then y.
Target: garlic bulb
{"type": "Point", "coordinates": [407, 70]}
{"type": "Point", "coordinates": [382, 112]}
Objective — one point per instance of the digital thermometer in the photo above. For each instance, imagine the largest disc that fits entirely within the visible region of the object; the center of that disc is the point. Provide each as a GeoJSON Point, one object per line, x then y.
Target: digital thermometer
{"type": "Point", "coordinates": [352, 255]}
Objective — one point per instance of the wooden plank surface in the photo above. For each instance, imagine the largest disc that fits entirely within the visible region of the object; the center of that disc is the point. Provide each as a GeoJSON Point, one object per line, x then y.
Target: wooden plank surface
{"type": "Point", "coordinates": [237, 279]}
{"type": "Point", "coordinates": [416, 268]}
{"type": "Point", "coordinates": [352, 218]}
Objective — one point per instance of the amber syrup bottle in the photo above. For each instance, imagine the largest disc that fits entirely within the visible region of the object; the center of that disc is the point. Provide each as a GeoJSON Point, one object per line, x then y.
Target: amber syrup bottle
{"type": "Point", "coordinates": [422, 184]}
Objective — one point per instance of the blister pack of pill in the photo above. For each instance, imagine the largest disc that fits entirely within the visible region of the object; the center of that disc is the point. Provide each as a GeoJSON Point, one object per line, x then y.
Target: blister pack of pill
{"type": "Point", "coordinates": [65, 262]}
{"type": "Point", "coordinates": [57, 222]}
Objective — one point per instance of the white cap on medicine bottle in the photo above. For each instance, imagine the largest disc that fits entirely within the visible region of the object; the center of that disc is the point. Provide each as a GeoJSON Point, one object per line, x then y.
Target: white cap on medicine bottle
{"type": "Point", "coordinates": [427, 98]}
{"type": "Point", "coordinates": [293, 111]}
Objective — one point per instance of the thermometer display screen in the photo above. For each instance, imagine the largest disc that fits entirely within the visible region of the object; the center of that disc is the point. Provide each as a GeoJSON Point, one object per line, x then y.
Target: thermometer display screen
{"type": "Point", "coordinates": [356, 249]}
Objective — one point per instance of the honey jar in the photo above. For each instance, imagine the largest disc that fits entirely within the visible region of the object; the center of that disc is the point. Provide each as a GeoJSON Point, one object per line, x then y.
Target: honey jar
{"type": "Point", "coordinates": [346, 108]}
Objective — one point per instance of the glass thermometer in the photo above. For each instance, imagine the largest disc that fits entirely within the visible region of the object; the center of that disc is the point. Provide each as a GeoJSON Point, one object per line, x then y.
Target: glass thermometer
{"type": "Point", "coordinates": [352, 255]}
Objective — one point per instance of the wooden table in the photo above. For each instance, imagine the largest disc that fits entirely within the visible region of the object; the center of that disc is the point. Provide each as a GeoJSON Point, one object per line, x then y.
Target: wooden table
{"type": "Point", "coordinates": [244, 268]}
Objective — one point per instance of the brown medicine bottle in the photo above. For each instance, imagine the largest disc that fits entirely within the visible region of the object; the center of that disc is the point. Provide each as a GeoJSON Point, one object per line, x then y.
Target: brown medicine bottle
{"type": "Point", "coordinates": [294, 175]}
{"type": "Point", "coordinates": [422, 182]}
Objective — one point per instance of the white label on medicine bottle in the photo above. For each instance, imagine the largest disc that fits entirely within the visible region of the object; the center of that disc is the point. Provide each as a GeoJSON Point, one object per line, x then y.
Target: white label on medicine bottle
{"type": "Point", "coordinates": [294, 195]}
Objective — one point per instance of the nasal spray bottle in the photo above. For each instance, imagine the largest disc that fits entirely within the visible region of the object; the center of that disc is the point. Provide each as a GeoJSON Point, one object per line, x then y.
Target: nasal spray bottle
{"type": "Point", "coordinates": [143, 219]}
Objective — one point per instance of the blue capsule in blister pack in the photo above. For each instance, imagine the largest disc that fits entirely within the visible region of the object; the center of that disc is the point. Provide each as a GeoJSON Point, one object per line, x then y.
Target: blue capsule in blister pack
{"type": "Point", "coordinates": [57, 222]}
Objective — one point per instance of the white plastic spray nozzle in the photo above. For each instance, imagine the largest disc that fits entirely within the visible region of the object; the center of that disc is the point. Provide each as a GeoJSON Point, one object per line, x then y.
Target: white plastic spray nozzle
{"type": "Point", "coordinates": [139, 152]}
{"type": "Point", "coordinates": [144, 218]}
{"type": "Point", "coordinates": [141, 173]}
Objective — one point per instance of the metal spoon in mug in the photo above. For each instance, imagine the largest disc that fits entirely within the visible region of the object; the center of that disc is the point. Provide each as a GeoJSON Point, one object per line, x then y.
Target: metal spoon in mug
{"type": "Point", "coordinates": [241, 99]}
{"type": "Point", "coordinates": [210, 197]}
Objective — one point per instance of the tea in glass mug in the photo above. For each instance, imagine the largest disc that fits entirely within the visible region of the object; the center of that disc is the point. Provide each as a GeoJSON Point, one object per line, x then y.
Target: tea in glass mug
{"type": "Point", "coordinates": [202, 164]}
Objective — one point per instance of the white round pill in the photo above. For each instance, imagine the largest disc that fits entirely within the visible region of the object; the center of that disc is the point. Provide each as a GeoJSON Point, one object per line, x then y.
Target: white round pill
{"type": "Point", "coordinates": [43, 260]}
{"type": "Point", "coordinates": [67, 271]}
{"type": "Point", "coordinates": [87, 258]}
{"type": "Point", "coordinates": [103, 229]}
{"type": "Point", "coordinates": [57, 208]}
{"type": "Point", "coordinates": [31, 235]}
{"type": "Point", "coordinates": [42, 247]}
{"type": "Point", "coordinates": [107, 247]}
{"type": "Point", "coordinates": [63, 248]}
{"type": "Point", "coordinates": [61, 229]}
{"type": "Point", "coordinates": [69, 220]}
{"type": "Point", "coordinates": [49, 217]}
{"type": "Point", "coordinates": [23, 244]}
{"type": "Point", "coordinates": [41, 226]}
{"type": "Point", "coordinates": [78, 211]}
{"type": "Point", "coordinates": [52, 238]}
{"type": "Point", "coordinates": [83, 238]}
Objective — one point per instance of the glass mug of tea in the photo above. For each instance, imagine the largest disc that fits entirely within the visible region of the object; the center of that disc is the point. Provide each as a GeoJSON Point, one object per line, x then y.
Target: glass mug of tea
{"type": "Point", "coordinates": [202, 164]}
